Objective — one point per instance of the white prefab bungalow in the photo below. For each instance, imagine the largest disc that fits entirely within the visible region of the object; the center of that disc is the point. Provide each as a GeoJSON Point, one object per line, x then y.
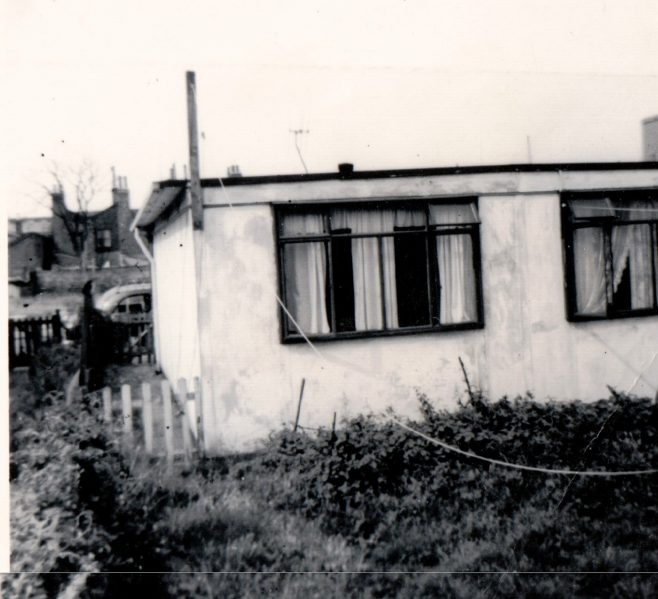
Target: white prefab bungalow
{"type": "Point", "coordinates": [369, 287]}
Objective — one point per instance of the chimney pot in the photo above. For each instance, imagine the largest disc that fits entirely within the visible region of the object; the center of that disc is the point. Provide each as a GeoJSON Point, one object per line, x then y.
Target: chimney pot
{"type": "Point", "coordinates": [345, 169]}
{"type": "Point", "coordinates": [650, 138]}
{"type": "Point", "coordinates": [233, 171]}
{"type": "Point", "coordinates": [120, 192]}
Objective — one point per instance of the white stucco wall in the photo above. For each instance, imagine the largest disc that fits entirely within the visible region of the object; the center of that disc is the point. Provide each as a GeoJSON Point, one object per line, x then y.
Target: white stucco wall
{"type": "Point", "coordinates": [530, 345]}
{"type": "Point", "coordinates": [175, 299]}
{"type": "Point", "coordinates": [252, 381]}
{"type": "Point", "coordinates": [255, 380]}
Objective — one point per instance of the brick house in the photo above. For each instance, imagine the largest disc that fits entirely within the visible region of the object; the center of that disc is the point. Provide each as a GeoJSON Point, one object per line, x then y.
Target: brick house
{"type": "Point", "coordinates": [56, 242]}
{"type": "Point", "coordinates": [29, 252]}
{"type": "Point", "coordinates": [109, 240]}
{"type": "Point", "coordinates": [30, 246]}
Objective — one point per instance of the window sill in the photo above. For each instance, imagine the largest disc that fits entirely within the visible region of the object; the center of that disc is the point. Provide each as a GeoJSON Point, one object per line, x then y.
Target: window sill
{"type": "Point", "coordinates": [291, 339]}
{"type": "Point", "coordinates": [615, 316]}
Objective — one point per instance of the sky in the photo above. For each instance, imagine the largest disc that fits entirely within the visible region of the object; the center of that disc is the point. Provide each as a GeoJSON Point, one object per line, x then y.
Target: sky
{"type": "Point", "coordinates": [380, 83]}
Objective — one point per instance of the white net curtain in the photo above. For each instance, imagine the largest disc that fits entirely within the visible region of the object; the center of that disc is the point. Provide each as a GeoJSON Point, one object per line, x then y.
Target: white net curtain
{"type": "Point", "coordinates": [305, 273]}
{"type": "Point", "coordinates": [375, 291]}
{"type": "Point", "coordinates": [455, 257]}
{"type": "Point", "coordinates": [374, 265]}
{"type": "Point", "coordinates": [632, 253]}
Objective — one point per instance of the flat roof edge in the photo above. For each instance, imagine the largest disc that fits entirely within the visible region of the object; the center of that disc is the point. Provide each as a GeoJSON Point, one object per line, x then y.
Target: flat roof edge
{"type": "Point", "coordinates": [416, 172]}
{"type": "Point", "coordinates": [150, 212]}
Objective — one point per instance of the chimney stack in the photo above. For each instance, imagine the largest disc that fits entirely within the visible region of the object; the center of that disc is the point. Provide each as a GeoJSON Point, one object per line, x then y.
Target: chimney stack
{"type": "Point", "coordinates": [57, 197]}
{"type": "Point", "coordinates": [650, 139]}
{"type": "Point", "coordinates": [120, 193]}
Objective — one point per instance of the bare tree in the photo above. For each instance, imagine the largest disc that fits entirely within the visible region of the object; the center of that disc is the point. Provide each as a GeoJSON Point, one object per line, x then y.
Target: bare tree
{"type": "Point", "coordinates": [77, 223]}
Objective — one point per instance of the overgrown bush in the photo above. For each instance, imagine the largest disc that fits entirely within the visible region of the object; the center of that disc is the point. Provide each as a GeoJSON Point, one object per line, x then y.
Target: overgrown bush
{"type": "Point", "coordinates": [53, 528]}
{"type": "Point", "coordinates": [75, 508]}
{"type": "Point", "coordinates": [416, 506]}
{"type": "Point", "coordinates": [51, 370]}
{"type": "Point", "coordinates": [53, 366]}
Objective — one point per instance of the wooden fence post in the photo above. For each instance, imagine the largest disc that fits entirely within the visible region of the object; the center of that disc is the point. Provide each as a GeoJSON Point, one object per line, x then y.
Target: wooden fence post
{"type": "Point", "coordinates": [127, 411]}
{"type": "Point", "coordinates": [147, 417]}
{"type": "Point", "coordinates": [32, 340]}
{"type": "Point", "coordinates": [299, 404]}
{"type": "Point", "coordinates": [168, 422]}
{"type": "Point", "coordinates": [57, 327]}
{"type": "Point", "coordinates": [107, 405]}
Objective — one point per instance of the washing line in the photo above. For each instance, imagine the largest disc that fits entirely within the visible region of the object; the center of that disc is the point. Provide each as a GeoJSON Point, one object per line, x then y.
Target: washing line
{"type": "Point", "coordinates": [469, 454]}
{"type": "Point", "coordinates": [541, 469]}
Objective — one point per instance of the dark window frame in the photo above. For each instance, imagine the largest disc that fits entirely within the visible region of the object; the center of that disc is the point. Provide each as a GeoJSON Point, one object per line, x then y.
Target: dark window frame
{"type": "Point", "coordinates": [430, 232]}
{"type": "Point", "coordinates": [101, 239]}
{"type": "Point", "coordinates": [570, 223]}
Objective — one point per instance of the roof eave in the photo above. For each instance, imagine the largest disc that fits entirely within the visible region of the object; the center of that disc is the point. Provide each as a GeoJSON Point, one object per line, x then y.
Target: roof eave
{"type": "Point", "coordinates": [157, 203]}
{"type": "Point", "coordinates": [150, 212]}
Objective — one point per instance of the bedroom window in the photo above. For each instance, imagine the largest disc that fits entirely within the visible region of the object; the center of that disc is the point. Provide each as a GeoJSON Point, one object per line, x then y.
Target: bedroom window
{"type": "Point", "coordinates": [354, 270]}
{"type": "Point", "coordinates": [611, 254]}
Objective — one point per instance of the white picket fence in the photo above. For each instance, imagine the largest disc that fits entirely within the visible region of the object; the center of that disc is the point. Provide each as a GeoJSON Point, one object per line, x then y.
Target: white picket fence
{"type": "Point", "coordinates": [159, 422]}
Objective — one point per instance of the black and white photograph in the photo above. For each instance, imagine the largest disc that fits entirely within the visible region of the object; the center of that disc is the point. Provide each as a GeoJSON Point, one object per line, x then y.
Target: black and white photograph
{"type": "Point", "coordinates": [330, 299]}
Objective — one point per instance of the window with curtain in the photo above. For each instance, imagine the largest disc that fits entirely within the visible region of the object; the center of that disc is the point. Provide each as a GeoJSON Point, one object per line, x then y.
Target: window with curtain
{"type": "Point", "coordinates": [612, 254]}
{"type": "Point", "coordinates": [366, 269]}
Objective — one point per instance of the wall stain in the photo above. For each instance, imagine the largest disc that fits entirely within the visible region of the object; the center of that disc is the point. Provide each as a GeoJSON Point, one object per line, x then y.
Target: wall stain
{"type": "Point", "coordinates": [258, 230]}
{"type": "Point", "coordinates": [230, 399]}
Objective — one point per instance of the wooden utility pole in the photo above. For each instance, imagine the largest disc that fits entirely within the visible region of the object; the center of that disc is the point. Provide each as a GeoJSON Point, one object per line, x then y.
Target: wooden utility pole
{"type": "Point", "coordinates": [193, 137]}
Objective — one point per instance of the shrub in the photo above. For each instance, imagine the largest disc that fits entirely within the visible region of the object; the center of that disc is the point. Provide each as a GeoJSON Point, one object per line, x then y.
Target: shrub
{"type": "Point", "coordinates": [52, 527]}
{"type": "Point", "coordinates": [53, 366]}
{"type": "Point", "coordinates": [51, 370]}
{"type": "Point", "coordinates": [75, 508]}
{"type": "Point", "coordinates": [419, 506]}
